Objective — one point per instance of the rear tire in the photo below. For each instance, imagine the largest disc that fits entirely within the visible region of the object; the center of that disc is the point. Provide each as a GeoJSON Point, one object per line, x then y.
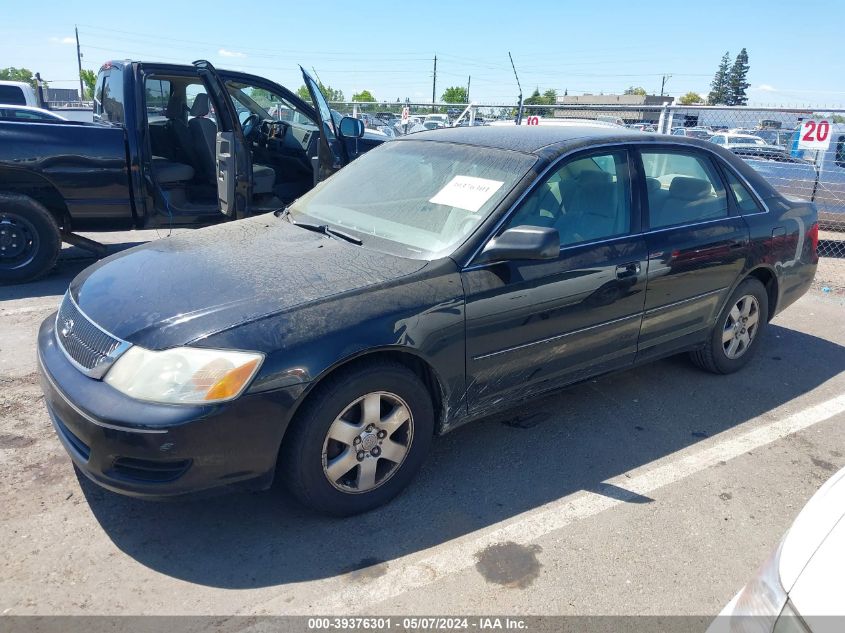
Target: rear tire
{"type": "Point", "coordinates": [738, 330]}
{"type": "Point", "coordinates": [359, 439]}
{"type": "Point", "coordinates": [30, 240]}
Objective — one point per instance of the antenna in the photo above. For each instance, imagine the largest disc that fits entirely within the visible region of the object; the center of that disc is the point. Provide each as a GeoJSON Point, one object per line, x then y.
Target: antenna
{"type": "Point", "coordinates": [320, 81]}
{"type": "Point", "coordinates": [519, 110]}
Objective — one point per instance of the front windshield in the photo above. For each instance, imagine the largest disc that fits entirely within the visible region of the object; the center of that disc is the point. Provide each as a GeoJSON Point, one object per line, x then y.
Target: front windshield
{"type": "Point", "coordinates": [424, 198]}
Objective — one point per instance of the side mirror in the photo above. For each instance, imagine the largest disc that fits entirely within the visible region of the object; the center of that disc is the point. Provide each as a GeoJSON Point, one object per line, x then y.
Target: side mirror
{"type": "Point", "coordinates": [523, 242]}
{"type": "Point", "coordinates": [351, 128]}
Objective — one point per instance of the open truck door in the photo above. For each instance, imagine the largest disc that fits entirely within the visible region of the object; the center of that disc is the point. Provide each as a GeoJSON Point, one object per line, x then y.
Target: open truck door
{"type": "Point", "coordinates": [332, 155]}
{"type": "Point", "coordinates": [232, 155]}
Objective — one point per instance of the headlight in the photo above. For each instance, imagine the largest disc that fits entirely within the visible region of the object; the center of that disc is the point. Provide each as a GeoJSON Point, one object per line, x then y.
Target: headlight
{"type": "Point", "coordinates": [757, 606]}
{"type": "Point", "coordinates": [790, 621]}
{"type": "Point", "coordinates": [183, 375]}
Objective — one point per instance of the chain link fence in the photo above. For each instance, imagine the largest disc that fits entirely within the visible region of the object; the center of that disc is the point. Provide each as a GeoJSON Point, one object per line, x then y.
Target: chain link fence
{"type": "Point", "coordinates": [766, 138]}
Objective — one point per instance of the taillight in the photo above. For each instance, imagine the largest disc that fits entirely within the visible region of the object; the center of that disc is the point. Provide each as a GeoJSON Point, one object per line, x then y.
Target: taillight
{"type": "Point", "coordinates": [813, 234]}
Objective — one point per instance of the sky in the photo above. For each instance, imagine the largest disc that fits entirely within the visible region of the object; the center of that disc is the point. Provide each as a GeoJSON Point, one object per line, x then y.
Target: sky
{"type": "Point", "coordinates": [389, 48]}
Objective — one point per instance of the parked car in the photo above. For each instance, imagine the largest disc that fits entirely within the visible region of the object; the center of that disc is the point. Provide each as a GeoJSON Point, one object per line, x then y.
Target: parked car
{"type": "Point", "coordinates": [818, 176]}
{"type": "Point", "coordinates": [692, 132]}
{"type": "Point", "coordinates": [436, 278]}
{"type": "Point", "coordinates": [442, 119]}
{"type": "Point", "coordinates": [779, 138]}
{"type": "Point", "coordinates": [24, 114]}
{"type": "Point", "coordinates": [18, 93]}
{"type": "Point", "coordinates": [730, 140]}
{"type": "Point", "coordinates": [799, 587]}
{"type": "Point", "coordinates": [171, 145]}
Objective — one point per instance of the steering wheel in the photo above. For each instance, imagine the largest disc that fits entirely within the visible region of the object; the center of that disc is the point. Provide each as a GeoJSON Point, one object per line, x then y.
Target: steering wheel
{"type": "Point", "coordinates": [250, 125]}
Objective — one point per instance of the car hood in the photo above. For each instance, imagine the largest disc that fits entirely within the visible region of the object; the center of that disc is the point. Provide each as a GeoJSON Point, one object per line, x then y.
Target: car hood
{"type": "Point", "coordinates": [177, 289]}
{"type": "Point", "coordinates": [818, 590]}
{"type": "Point", "coordinates": [815, 523]}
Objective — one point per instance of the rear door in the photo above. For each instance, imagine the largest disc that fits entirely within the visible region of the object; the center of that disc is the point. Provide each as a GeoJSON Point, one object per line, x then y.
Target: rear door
{"type": "Point", "coordinates": [332, 155]}
{"type": "Point", "coordinates": [233, 160]}
{"type": "Point", "coordinates": [697, 247]}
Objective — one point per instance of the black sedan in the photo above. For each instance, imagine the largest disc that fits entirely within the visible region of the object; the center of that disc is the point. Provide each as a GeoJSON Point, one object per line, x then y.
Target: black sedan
{"type": "Point", "coordinates": [437, 279]}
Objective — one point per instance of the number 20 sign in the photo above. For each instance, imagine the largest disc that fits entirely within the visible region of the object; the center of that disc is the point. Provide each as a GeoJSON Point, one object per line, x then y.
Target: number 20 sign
{"type": "Point", "coordinates": [814, 134]}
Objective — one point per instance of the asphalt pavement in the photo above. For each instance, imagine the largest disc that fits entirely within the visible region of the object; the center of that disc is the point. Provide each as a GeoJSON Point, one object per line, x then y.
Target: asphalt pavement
{"type": "Point", "coordinates": [658, 490]}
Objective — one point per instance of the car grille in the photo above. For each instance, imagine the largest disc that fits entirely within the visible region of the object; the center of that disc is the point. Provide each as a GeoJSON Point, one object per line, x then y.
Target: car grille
{"type": "Point", "coordinates": [91, 348]}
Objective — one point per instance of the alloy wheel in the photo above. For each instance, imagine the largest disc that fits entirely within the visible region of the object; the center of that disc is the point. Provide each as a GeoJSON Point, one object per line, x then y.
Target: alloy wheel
{"type": "Point", "coordinates": [367, 443]}
{"type": "Point", "coordinates": [741, 326]}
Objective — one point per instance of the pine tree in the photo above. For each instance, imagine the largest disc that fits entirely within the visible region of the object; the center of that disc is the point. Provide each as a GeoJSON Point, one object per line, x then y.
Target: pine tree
{"type": "Point", "coordinates": [719, 87]}
{"type": "Point", "coordinates": [737, 84]}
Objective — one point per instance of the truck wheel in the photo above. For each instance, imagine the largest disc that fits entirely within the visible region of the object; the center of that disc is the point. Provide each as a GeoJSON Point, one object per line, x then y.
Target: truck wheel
{"type": "Point", "coordinates": [30, 240]}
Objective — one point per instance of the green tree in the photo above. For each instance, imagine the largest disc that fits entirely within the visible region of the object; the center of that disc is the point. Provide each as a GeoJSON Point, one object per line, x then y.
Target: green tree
{"type": "Point", "coordinates": [329, 93]}
{"type": "Point", "coordinates": [635, 90]}
{"type": "Point", "coordinates": [18, 74]}
{"type": "Point", "coordinates": [690, 98]}
{"type": "Point", "coordinates": [455, 94]}
{"type": "Point", "coordinates": [89, 78]}
{"type": "Point", "coordinates": [737, 80]}
{"type": "Point", "coordinates": [364, 95]}
{"type": "Point", "coordinates": [719, 85]}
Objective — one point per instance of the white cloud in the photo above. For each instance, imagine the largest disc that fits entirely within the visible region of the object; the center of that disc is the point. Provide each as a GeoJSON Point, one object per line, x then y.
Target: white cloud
{"type": "Point", "coordinates": [226, 53]}
{"type": "Point", "coordinates": [63, 40]}
{"type": "Point", "coordinates": [767, 88]}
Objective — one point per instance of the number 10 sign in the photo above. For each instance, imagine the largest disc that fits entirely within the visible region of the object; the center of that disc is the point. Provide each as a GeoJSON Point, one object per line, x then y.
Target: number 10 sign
{"type": "Point", "coordinates": [814, 134]}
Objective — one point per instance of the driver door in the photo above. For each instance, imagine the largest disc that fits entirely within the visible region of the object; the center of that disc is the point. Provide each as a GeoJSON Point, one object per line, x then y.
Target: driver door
{"type": "Point", "coordinates": [332, 155]}
{"type": "Point", "coordinates": [232, 156]}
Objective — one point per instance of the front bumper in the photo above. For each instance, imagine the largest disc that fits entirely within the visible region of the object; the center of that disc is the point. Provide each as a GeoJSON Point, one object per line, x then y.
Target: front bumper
{"type": "Point", "coordinates": [154, 450]}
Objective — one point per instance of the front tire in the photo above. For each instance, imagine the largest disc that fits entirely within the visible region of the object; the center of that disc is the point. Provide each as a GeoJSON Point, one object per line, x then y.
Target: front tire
{"type": "Point", "coordinates": [359, 439]}
{"type": "Point", "coordinates": [30, 240]}
{"type": "Point", "coordinates": [738, 330]}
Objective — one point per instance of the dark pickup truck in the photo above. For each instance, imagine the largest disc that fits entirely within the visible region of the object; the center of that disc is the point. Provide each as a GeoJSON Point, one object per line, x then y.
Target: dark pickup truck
{"type": "Point", "coordinates": [170, 145]}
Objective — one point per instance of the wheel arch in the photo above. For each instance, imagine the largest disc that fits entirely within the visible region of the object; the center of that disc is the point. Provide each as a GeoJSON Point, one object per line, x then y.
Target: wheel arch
{"type": "Point", "coordinates": [769, 279]}
{"type": "Point", "coordinates": [22, 182]}
{"type": "Point", "coordinates": [402, 355]}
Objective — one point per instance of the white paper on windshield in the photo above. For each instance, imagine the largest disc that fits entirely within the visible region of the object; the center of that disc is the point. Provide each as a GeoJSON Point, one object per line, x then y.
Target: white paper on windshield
{"type": "Point", "coordinates": [467, 192]}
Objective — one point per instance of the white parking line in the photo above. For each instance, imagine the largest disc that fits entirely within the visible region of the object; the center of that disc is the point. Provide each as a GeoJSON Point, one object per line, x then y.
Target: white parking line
{"type": "Point", "coordinates": [418, 570]}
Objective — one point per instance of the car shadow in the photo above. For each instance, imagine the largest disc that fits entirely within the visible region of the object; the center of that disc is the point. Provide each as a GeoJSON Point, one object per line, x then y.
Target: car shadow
{"type": "Point", "coordinates": [71, 262]}
{"type": "Point", "coordinates": [478, 475]}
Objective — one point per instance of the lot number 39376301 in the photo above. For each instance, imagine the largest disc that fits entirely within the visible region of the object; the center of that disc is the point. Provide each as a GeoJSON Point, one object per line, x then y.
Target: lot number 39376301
{"type": "Point", "coordinates": [814, 134]}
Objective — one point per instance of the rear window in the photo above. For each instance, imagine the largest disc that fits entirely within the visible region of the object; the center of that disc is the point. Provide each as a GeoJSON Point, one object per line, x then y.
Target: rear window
{"type": "Point", "coordinates": [12, 95]}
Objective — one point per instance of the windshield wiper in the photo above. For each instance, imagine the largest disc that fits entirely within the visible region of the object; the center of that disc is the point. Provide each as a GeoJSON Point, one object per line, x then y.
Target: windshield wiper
{"type": "Point", "coordinates": [327, 230]}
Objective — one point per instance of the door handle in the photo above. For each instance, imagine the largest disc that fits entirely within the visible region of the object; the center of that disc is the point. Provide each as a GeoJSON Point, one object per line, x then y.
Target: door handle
{"type": "Point", "coordinates": [628, 270]}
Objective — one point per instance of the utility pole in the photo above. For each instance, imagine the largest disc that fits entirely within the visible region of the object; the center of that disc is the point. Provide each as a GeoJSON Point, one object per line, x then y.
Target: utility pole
{"type": "Point", "coordinates": [79, 63]}
{"type": "Point", "coordinates": [469, 79]}
{"type": "Point", "coordinates": [663, 83]}
{"type": "Point", "coordinates": [434, 85]}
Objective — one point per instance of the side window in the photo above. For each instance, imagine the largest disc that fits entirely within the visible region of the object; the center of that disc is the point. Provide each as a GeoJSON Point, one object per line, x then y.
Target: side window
{"type": "Point", "coordinates": [98, 96]}
{"type": "Point", "coordinates": [12, 95]}
{"type": "Point", "coordinates": [587, 199]}
{"type": "Point", "coordinates": [839, 158]}
{"type": "Point", "coordinates": [744, 199]}
{"type": "Point", "coordinates": [682, 188]}
{"type": "Point", "coordinates": [157, 93]}
{"type": "Point", "coordinates": [111, 98]}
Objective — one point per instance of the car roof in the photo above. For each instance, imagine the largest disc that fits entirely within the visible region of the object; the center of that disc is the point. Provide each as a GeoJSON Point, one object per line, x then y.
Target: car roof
{"type": "Point", "coordinates": [12, 106]}
{"type": "Point", "coordinates": [526, 139]}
